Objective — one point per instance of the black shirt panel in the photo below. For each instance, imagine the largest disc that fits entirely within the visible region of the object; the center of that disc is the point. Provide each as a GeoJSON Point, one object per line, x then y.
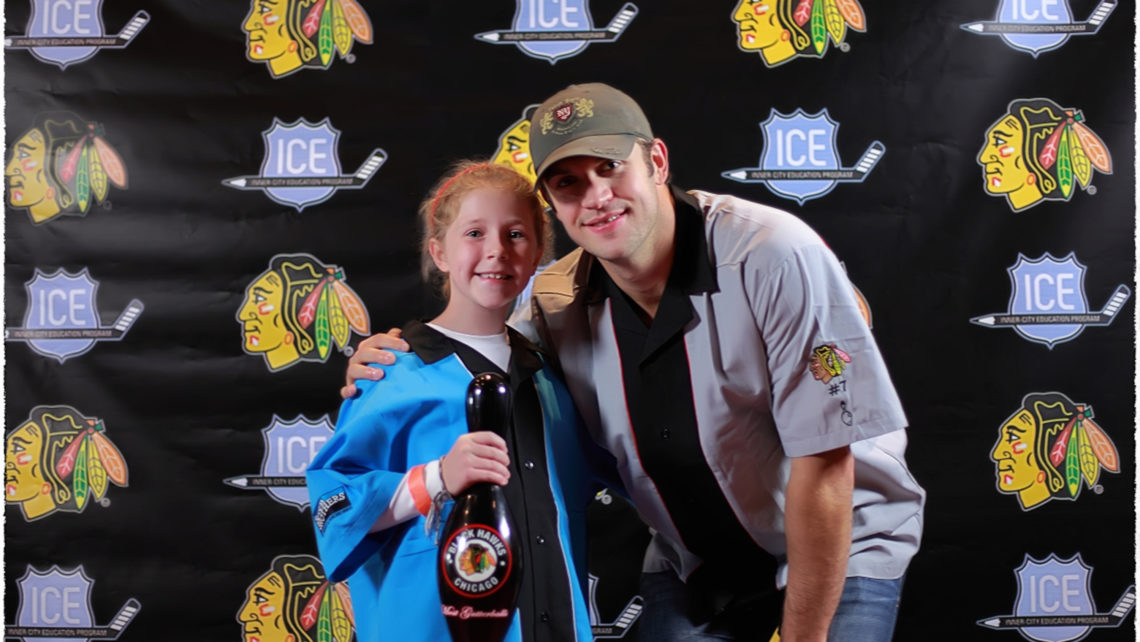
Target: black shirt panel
{"type": "Point", "coordinates": [544, 598]}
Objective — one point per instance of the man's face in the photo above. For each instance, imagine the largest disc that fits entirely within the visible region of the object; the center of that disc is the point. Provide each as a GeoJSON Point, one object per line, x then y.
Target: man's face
{"type": "Point", "coordinates": [612, 209]}
{"type": "Point", "coordinates": [262, 314]}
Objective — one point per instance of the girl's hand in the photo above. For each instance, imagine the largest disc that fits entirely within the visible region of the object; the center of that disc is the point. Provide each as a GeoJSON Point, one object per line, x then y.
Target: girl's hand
{"type": "Point", "coordinates": [475, 457]}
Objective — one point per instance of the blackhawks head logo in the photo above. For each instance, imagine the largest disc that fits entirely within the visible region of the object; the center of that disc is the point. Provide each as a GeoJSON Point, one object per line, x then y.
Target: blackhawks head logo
{"type": "Point", "coordinates": [1040, 151]}
{"type": "Point", "coordinates": [297, 310]}
{"type": "Point", "coordinates": [1049, 449]}
{"type": "Point", "coordinates": [781, 30]}
{"type": "Point", "coordinates": [294, 601]}
{"type": "Point", "coordinates": [59, 460]}
{"type": "Point", "coordinates": [62, 165]}
{"type": "Point", "coordinates": [288, 35]}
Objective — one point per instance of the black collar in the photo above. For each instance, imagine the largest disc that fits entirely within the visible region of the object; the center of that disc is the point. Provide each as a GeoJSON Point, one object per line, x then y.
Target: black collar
{"type": "Point", "coordinates": [691, 273]}
{"type": "Point", "coordinates": [432, 346]}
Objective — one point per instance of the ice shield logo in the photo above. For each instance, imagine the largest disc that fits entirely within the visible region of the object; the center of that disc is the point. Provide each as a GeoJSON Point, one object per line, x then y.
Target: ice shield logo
{"type": "Point", "coordinates": [556, 29]}
{"type": "Point", "coordinates": [289, 449]}
{"type": "Point", "coordinates": [1048, 303]}
{"type": "Point", "coordinates": [56, 607]}
{"type": "Point", "coordinates": [1054, 603]}
{"type": "Point", "coordinates": [1046, 286]}
{"type": "Point", "coordinates": [799, 160]}
{"type": "Point", "coordinates": [1040, 25]}
{"type": "Point", "coordinates": [301, 165]}
{"type": "Point", "coordinates": [300, 149]}
{"type": "Point", "coordinates": [65, 32]}
{"type": "Point", "coordinates": [61, 319]}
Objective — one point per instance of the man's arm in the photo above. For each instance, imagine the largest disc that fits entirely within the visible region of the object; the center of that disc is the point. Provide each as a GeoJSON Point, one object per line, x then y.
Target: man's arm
{"type": "Point", "coordinates": [374, 349]}
{"type": "Point", "coordinates": [818, 527]}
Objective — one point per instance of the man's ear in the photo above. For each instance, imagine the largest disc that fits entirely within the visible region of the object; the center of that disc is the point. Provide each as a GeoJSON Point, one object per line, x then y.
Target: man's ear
{"type": "Point", "coordinates": [438, 256]}
{"type": "Point", "coordinates": [659, 157]}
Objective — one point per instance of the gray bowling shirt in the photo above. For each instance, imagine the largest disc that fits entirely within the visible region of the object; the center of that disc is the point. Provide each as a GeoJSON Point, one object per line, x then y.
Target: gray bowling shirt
{"type": "Point", "coordinates": [781, 364]}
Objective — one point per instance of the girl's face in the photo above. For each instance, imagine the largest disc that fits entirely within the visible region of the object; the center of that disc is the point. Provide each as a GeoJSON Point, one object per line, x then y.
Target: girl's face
{"type": "Point", "coordinates": [489, 253]}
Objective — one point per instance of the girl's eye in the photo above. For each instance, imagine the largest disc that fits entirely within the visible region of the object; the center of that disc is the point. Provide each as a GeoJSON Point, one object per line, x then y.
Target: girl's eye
{"type": "Point", "coordinates": [517, 234]}
{"type": "Point", "coordinates": [473, 234]}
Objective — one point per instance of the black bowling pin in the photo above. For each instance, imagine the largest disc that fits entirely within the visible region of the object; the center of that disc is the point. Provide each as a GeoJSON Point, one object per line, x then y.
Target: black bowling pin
{"type": "Point", "coordinates": [480, 556]}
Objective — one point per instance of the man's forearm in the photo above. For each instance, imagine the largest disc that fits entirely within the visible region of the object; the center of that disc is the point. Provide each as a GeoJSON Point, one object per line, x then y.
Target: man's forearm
{"type": "Point", "coordinates": [818, 526]}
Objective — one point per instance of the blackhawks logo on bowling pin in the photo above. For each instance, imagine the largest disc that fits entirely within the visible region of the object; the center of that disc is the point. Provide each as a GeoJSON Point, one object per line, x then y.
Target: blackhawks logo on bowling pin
{"type": "Point", "coordinates": [476, 561]}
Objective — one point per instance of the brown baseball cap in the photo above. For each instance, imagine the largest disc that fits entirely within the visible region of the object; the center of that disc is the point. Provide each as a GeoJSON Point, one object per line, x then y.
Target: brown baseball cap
{"type": "Point", "coordinates": [591, 119]}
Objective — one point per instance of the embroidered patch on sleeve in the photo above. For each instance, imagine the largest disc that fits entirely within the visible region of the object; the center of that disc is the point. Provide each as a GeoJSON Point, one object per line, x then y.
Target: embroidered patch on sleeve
{"type": "Point", "coordinates": [828, 362]}
{"type": "Point", "coordinates": [329, 505]}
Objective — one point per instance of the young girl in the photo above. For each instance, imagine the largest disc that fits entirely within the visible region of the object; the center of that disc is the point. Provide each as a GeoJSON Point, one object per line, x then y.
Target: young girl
{"type": "Point", "coordinates": [401, 448]}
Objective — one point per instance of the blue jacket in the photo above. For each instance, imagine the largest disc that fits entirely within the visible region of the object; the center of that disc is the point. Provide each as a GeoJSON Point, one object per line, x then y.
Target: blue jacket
{"type": "Point", "coordinates": [414, 415]}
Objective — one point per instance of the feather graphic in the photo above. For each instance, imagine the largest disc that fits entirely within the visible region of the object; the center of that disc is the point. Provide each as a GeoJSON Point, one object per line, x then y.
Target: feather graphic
{"type": "Point", "coordinates": [313, 19]}
{"type": "Point", "coordinates": [352, 306]}
{"type": "Point", "coordinates": [852, 14]}
{"type": "Point", "coordinates": [818, 27]}
{"type": "Point", "coordinates": [802, 13]}
{"type": "Point", "coordinates": [97, 176]}
{"type": "Point", "coordinates": [1094, 147]}
{"type": "Point", "coordinates": [324, 620]}
{"type": "Point", "coordinates": [71, 162]}
{"type": "Point", "coordinates": [836, 26]}
{"type": "Point", "coordinates": [1061, 446]}
{"type": "Point", "coordinates": [1048, 154]}
{"type": "Point", "coordinates": [325, 36]}
{"type": "Point", "coordinates": [312, 608]}
{"type": "Point", "coordinates": [341, 625]}
{"type": "Point", "coordinates": [1090, 467]}
{"type": "Point", "coordinates": [95, 471]}
{"type": "Point", "coordinates": [1102, 446]}
{"type": "Point", "coordinates": [357, 21]}
{"type": "Point", "coordinates": [309, 307]}
{"type": "Point", "coordinates": [1072, 469]}
{"type": "Point", "coordinates": [82, 183]}
{"type": "Point", "coordinates": [1065, 165]}
{"type": "Point", "coordinates": [112, 164]}
{"type": "Point", "coordinates": [1082, 168]}
{"type": "Point", "coordinates": [80, 481]}
{"type": "Point", "coordinates": [342, 35]}
{"type": "Point", "coordinates": [112, 460]}
{"type": "Point", "coordinates": [66, 462]}
{"type": "Point", "coordinates": [345, 601]}
{"type": "Point", "coordinates": [338, 324]}
{"type": "Point", "coordinates": [321, 328]}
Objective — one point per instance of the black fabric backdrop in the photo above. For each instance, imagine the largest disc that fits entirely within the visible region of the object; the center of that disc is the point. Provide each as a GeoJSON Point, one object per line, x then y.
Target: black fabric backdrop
{"type": "Point", "coordinates": [929, 249]}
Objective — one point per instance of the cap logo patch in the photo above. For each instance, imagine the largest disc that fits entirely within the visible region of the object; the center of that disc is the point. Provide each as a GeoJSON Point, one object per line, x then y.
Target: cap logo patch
{"type": "Point", "coordinates": [567, 117]}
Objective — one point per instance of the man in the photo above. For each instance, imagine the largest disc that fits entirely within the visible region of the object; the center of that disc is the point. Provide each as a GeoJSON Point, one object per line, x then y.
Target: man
{"type": "Point", "coordinates": [715, 347]}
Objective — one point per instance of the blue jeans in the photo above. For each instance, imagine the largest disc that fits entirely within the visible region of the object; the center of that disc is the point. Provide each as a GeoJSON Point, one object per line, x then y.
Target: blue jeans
{"type": "Point", "coordinates": [866, 613]}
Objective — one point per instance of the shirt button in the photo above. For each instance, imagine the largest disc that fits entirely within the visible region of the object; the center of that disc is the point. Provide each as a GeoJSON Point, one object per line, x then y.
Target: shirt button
{"type": "Point", "coordinates": [665, 432]}
{"type": "Point", "coordinates": [545, 617]}
{"type": "Point", "coordinates": [540, 539]}
{"type": "Point", "coordinates": [529, 465]}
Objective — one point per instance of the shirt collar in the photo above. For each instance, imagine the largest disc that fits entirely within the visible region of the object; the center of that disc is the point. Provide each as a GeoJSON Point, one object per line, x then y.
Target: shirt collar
{"type": "Point", "coordinates": [432, 346]}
